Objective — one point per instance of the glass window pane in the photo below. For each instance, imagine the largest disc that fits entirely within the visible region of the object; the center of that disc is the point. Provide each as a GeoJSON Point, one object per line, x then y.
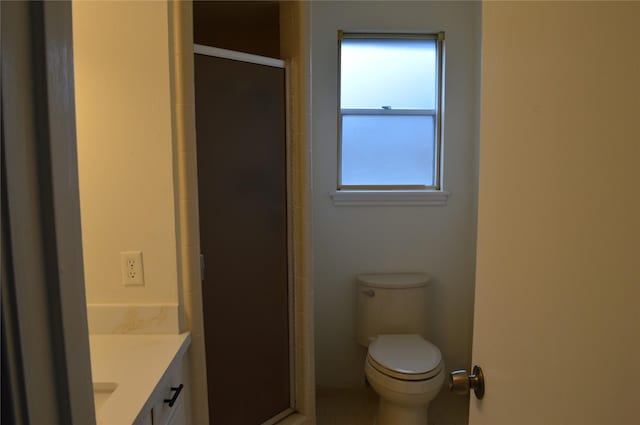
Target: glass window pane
{"type": "Point", "coordinates": [400, 73]}
{"type": "Point", "coordinates": [387, 150]}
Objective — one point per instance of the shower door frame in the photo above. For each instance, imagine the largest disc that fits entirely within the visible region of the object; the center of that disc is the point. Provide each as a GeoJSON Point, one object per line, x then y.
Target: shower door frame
{"type": "Point", "coordinates": [200, 49]}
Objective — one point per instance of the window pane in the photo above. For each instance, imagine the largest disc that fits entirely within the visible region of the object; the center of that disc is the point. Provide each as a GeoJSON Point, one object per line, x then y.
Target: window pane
{"type": "Point", "coordinates": [400, 73]}
{"type": "Point", "coordinates": [387, 150]}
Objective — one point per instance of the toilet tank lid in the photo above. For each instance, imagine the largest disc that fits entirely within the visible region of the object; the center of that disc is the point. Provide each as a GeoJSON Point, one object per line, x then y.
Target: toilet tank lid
{"type": "Point", "coordinates": [394, 280]}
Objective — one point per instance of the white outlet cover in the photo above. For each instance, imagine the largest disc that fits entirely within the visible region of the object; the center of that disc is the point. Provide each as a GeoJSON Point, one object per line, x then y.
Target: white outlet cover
{"type": "Point", "coordinates": [132, 268]}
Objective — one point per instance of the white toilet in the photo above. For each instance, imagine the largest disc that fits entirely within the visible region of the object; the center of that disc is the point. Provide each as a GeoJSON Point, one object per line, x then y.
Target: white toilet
{"type": "Point", "coordinates": [404, 368]}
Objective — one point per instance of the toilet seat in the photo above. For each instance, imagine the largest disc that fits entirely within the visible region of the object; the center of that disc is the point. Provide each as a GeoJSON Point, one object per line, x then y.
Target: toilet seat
{"type": "Point", "coordinates": [405, 357]}
{"type": "Point", "coordinates": [404, 376]}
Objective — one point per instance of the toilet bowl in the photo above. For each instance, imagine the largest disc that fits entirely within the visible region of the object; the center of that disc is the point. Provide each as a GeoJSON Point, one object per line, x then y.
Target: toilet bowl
{"type": "Point", "coordinates": [407, 372]}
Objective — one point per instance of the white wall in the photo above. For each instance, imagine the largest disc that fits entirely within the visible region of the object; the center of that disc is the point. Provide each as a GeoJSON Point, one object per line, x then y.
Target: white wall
{"type": "Point", "coordinates": [436, 240]}
{"type": "Point", "coordinates": [123, 104]}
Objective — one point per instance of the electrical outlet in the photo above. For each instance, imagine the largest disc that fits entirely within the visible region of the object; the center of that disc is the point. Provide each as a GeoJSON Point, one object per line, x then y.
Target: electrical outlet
{"type": "Point", "coordinates": [131, 266]}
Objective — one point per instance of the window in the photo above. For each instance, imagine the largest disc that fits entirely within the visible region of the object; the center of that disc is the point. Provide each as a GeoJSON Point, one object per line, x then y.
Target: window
{"type": "Point", "coordinates": [390, 112]}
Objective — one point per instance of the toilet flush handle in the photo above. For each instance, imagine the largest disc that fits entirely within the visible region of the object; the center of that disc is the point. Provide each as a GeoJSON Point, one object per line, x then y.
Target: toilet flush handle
{"type": "Point", "coordinates": [460, 382]}
{"type": "Point", "coordinates": [370, 293]}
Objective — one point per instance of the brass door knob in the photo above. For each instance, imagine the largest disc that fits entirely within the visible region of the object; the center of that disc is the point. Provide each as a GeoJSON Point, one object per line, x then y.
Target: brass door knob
{"type": "Point", "coordinates": [460, 382]}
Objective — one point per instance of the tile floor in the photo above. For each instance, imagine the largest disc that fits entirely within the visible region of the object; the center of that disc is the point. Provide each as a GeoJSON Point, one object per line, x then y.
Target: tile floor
{"type": "Point", "coordinates": [346, 406]}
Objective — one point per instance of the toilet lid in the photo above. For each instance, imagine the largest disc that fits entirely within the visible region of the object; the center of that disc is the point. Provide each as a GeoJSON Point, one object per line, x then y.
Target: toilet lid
{"type": "Point", "coordinates": [405, 355]}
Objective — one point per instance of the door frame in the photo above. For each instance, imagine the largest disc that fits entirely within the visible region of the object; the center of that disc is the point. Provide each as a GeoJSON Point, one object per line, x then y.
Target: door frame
{"type": "Point", "coordinates": [45, 278]}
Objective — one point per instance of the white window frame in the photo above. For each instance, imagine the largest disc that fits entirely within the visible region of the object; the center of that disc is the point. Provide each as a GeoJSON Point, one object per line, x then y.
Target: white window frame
{"type": "Point", "coordinates": [395, 194]}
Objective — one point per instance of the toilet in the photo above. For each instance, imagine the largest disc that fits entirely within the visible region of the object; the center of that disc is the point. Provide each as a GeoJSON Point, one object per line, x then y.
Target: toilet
{"type": "Point", "coordinates": [402, 367]}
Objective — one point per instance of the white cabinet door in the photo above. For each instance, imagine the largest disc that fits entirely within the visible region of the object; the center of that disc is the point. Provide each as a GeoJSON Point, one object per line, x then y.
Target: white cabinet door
{"type": "Point", "coordinates": [145, 419]}
{"type": "Point", "coordinates": [557, 322]}
{"type": "Point", "coordinates": [178, 417]}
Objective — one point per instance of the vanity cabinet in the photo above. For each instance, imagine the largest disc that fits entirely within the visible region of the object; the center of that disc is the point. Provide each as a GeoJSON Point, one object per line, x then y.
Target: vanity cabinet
{"type": "Point", "coordinates": [144, 419]}
{"type": "Point", "coordinates": [168, 400]}
{"type": "Point", "coordinates": [142, 370]}
{"type": "Point", "coordinates": [169, 396]}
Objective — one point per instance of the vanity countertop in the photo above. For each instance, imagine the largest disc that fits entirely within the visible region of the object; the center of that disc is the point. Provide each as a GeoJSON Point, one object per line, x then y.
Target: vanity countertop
{"type": "Point", "coordinates": [136, 364]}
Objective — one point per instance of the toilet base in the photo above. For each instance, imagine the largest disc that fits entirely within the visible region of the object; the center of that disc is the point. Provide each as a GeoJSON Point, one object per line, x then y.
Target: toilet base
{"type": "Point", "coordinates": [396, 414]}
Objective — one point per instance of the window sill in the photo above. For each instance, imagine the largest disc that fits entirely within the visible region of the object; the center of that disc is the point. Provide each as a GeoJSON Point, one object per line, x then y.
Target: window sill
{"type": "Point", "coordinates": [366, 198]}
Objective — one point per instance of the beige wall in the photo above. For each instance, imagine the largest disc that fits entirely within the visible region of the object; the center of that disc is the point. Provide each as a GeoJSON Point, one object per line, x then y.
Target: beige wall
{"type": "Point", "coordinates": [436, 240]}
{"type": "Point", "coordinates": [123, 106]}
{"type": "Point", "coordinates": [557, 326]}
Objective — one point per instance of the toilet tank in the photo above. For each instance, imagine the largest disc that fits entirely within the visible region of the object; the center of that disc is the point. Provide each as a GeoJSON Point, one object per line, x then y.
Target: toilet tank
{"type": "Point", "coordinates": [390, 304]}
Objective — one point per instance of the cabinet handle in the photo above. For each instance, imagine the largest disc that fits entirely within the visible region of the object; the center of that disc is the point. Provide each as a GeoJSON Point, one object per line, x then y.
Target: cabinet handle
{"type": "Point", "coordinates": [171, 401]}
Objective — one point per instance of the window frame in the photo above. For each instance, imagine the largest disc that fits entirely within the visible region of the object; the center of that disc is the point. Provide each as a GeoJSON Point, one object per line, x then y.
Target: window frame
{"type": "Point", "coordinates": [437, 113]}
